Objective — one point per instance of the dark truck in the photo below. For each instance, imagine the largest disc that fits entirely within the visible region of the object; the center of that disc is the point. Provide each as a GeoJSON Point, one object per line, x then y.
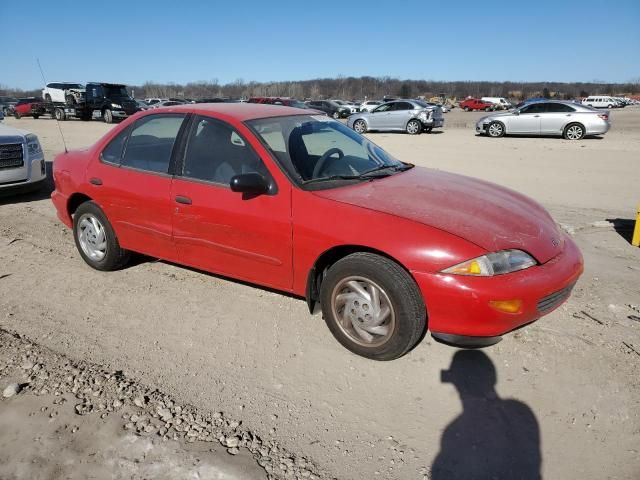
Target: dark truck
{"type": "Point", "coordinates": [108, 100]}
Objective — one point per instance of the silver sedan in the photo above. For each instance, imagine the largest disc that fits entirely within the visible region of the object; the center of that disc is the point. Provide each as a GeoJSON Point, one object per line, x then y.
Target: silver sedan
{"type": "Point", "coordinates": [567, 119]}
{"type": "Point", "coordinates": [411, 116]}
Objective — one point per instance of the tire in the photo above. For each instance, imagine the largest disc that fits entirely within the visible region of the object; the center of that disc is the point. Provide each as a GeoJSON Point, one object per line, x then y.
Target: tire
{"type": "Point", "coordinates": [488, 109]}
{"type": "Point", "coordinates": [86, 235]}
{"type": "Point", "coordinates": [360, 126]}
{"type": "Point", "coordinates": [428, 129]}
{"type": "Point", "coordinates": [107, 116]}
{"type": "Point", "coordinates": [405, 323]}
{"type": "Point", "coordinates": [609, 107]}
{"type": "Point", "coordinates": [414, 127]}
{"type": "Point", "coordinates": [573, 131]}
{"type": "Point", "coordinates": [466, 109]}
{"type": "Point", "coordinates": [496, 129]}
{"type": "Point", "coordinates": [17, 115]}
{"type": "Point", "coordinates": [35, 116]}
{"type": "Point", "coordinates": [59, 114]}
{"type": "Point", "coordinates": [335, 115]}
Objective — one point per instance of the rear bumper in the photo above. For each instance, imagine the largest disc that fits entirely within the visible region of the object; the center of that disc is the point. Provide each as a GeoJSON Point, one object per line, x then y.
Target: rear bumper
{"type": "Point", "coordinates": [459, 305]}
{"type": "Point", "coordinates": [60, 202]}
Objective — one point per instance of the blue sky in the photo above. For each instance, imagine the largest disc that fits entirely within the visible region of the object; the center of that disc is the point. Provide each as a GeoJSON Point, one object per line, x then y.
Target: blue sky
{"type": "Point", "coordinates": [187, 40]}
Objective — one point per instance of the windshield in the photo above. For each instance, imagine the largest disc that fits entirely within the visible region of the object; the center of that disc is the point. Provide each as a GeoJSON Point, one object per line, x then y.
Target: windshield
{"type": "Point", "coordinates": [115, 91]}
{"type": "Point", "coordinates": [317, 150]}
{"type": "Point", "coordinates": [424, 104]}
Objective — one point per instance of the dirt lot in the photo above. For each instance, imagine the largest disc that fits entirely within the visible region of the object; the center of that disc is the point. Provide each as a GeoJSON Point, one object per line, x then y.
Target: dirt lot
{"type": "Point", "coordinates": [567, 389]}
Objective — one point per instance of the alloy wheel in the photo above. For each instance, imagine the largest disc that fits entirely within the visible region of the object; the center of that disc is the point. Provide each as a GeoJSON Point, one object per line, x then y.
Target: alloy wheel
{"type": "Point", "coordinates": [574, 132]}
{"type": "Point", "coordinates": [495, 130]}
{"type": "Point", "coordinates": [360, 126]}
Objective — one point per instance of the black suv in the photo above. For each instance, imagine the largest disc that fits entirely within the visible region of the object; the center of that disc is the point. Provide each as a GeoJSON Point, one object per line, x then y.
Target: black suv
{"type": "Point", "coordinates": [330, 108]}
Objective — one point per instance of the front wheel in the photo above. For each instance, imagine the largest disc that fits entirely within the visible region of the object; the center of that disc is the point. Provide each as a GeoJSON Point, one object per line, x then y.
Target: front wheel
{"type": "Point", "coordinates": [107, 116]}
{"type": "Point", "coordinates": [414, 127]}
{"type": "Point", "coordinates": [335, 115]}
{"type": "Point", "coordinates": [17, 115]}
{"type": "Point", "coordinates": [35, 116]}
{"type": "Point", "coordinates": [495, 129]}
{"type": "Point", "coordinates": [372, 306]}
{"type": "Point", "coordinates": [466, 109]}
{"type": "Point", "coordinates": [573, 131]}
{"type": "Point", "coordinates": [95, 239]}
{"type": "Point", "coordinates": [360, 126]}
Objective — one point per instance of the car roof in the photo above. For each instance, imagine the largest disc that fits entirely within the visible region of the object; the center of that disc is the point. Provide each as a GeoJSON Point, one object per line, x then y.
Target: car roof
{"type": "Point", "coordinates": [237, 111]}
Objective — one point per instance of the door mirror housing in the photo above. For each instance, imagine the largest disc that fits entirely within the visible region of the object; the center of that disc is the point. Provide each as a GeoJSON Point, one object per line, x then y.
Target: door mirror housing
{"type": "Point", "coordinates": [251, 183]}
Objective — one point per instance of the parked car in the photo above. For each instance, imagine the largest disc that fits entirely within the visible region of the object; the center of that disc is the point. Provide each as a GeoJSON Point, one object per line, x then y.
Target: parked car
{"type": "Point", "coordinates": [151, 101]}
{"type": "Point", "coordinates": [28, 107]}
{"type": "Point", "coordinates": [369, 105]}
{"type": "Point", "coordinates": [64, 92]}
{"type": "Point", "coordinates": [351, 106]}
{"type": "Point", "coordinates": [22, 165]}
{"type": "Point", "coordinates": [166, 103]}
{"type": "Point", "coordinates": [597, 101]}
{"type": "Point", "coordinates": [312, 208]}
{"type": "Point", "coordinates": [475, 104]}
{"type": "Point", "coordinates": [563, 118]}
{"type": "Point", "coordinates": [411, 116]}
{"type": "Point", "coordinates": [330, 107]}
{"type": "Point", "coordinates": [7, 104]}
{"type": "Point", "coordinates": [286, 101]}
{"type": "Point", "coordinates": [142, 105]}
{"type": "Point", "coordinates": [500, 102]}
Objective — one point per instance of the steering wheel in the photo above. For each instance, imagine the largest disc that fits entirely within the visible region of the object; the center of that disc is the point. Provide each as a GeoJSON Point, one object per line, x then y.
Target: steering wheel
{"type": "Point", "coordinates": [322, 161]}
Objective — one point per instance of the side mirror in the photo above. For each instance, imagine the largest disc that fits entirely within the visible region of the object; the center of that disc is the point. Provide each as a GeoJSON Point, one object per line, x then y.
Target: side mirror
{"type": "Point", "coordinates": [251, 183]}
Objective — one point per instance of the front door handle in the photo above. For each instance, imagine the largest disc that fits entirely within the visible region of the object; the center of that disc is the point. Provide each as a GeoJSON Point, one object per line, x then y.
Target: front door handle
{"type": "Point", "coordinates": [536, 116]}
{"type": "Point", "coordinates": [183, 199]}
{"type": "Point", "coordinates": [95, 181]}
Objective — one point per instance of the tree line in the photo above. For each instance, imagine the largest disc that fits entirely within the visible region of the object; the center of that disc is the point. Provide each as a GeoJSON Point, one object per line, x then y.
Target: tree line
{"type": "Point", "coordinates": [359, 88]}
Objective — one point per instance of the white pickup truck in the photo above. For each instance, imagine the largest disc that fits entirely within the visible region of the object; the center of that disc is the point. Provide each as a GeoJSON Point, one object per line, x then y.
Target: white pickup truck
{"type": "Point", "coordinates": [64, 92]}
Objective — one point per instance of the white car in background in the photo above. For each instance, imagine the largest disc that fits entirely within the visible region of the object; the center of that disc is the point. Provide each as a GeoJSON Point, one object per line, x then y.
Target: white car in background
{"type": "Point", "coordinates": [354, 108]}
{"type": "Point", "coordinates": [22, 165]}
{"type": "Point", "coordinates": [64, 92]}
{"type": "Point", "coordinates": [369, 105]}
{"type": "Point", "coordinates": [501, 102]}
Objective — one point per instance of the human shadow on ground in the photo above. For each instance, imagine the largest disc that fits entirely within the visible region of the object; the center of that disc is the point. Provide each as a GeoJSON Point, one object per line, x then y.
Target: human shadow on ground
{"type": "Point", "coordinates": [493, 438]}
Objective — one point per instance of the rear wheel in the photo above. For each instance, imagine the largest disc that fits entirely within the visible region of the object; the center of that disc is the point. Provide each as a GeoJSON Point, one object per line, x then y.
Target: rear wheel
{"type": "Point", "coordinates": [573, 131]}
{"type": "Point", "coordinates": [466, 109]}
{"type": "Point", "coordinates": [495, 129]}
{"type": "Point", "coordinates": [372, 306]}
{"type": "Point", "coordinates": [95, 239]}
{"type": "Point", "coordinates": [414, 127]}
{"type": "Point", "coordinates": [17, 115]}
{"type": "Point", "coordinates": [360, 126]}
{"type": "Point", "coordinates": [428, 129]}
{"type": "Point", "coordinates": [59, 114]}
{"type": "Point", "coordinates": [35, 116]}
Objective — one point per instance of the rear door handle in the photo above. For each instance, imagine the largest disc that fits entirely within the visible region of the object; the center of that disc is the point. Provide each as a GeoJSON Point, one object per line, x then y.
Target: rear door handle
{"type": "Point", "coordinates": [95, 181]}
{"type": "Point", "coordinates": [182, 199]}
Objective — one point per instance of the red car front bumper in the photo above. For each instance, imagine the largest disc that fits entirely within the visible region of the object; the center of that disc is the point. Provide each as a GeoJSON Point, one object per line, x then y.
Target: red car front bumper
{"type": "Point", "coordinates": [458, 306]}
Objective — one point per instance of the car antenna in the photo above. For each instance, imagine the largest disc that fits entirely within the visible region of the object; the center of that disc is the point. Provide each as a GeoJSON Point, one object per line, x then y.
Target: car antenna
{"type": "Point", "coordinates": [54, 116]}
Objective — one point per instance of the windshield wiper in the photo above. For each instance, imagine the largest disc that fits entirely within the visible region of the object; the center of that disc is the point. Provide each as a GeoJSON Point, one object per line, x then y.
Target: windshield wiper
{"type": "Point", "coordinates": [332, 177]}
{"type": "Point", "coordinates": [377, 172]}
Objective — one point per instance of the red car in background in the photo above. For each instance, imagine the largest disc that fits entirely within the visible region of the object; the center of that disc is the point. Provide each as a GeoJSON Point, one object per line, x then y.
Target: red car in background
{"type": "Point", "coordinates": [298, 202]}
{"type": "Point", "coordinates": [29, 107]}
{"type": "Point", "coordinates": [476, 104]}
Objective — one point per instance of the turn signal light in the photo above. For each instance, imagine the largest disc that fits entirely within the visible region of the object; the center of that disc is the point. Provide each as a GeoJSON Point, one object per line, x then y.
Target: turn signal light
{"type": "Point", "coordinates": [506, 306]}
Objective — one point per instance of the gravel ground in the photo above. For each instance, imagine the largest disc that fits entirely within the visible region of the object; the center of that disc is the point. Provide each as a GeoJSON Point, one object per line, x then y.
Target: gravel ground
{"type": "Point", "coordinates": [568, 383]}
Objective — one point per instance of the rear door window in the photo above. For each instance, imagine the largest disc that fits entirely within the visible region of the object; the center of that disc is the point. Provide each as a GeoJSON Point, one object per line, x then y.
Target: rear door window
{"type": "Point", "coordinates": [151, 143]}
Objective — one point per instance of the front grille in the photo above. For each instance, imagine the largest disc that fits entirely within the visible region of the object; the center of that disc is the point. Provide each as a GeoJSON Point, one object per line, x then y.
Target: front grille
{"type": "Point", "coordinates": [11, 156]}
{"type": "Point", "coordinates": [554, 299]}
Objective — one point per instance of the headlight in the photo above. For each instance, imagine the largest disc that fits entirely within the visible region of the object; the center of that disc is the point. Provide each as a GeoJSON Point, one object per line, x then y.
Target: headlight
{"type": "Point", "coordinates": [497, 263]}
{"type": "Point", "coordinates": [116, 105]}
{"type": "Point", "coordinates": [33, 145]}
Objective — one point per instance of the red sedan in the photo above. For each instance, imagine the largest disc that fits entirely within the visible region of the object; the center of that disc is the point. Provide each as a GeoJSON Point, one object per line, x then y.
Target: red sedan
{"type": "Point", "coordinates": [300, 203]}
{"type": "Point", "coordinates": [475, 104]}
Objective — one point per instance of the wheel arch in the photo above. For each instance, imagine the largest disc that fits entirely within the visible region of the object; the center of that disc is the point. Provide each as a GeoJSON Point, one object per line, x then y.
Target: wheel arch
{"type": "Point", "coordinates": [75, 200]}
{"type": "Point", "coordinates": [574, 122]}
{"type": "Point", "coordinates": [329, 257]}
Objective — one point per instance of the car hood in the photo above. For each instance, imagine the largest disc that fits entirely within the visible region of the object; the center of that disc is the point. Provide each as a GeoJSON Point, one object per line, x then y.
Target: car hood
{"type": "Point", "coordinates": [496, 115]}
{"type": "Point", "coordinates": [490, 216]}
{"type": "Point", "coordinates": [7, 131]}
